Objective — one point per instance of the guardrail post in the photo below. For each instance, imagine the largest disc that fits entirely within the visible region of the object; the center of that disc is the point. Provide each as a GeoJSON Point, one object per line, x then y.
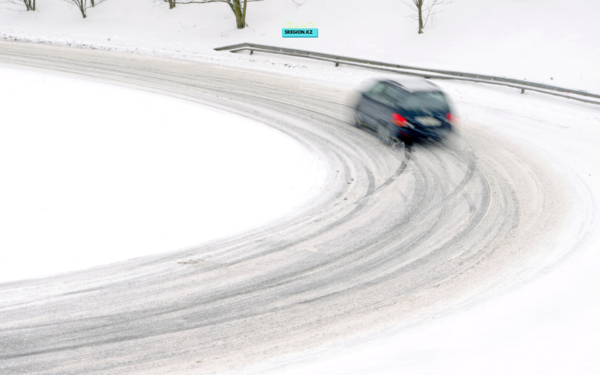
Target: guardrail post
{"type": "Point", "coordinates": [522, 91]}
{"type": "Point", "coordinates": [251, 52]}
{"type": "Point", "coordinates": [337, 64]}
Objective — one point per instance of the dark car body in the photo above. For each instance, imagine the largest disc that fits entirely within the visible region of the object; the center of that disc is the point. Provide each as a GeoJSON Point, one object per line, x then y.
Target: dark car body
{"type": "Point", "coordinates": [406, 111]}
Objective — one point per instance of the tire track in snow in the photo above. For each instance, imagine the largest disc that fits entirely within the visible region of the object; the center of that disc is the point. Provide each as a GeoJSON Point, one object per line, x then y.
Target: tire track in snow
{"type": "Point", "coordinates": [417, 233]}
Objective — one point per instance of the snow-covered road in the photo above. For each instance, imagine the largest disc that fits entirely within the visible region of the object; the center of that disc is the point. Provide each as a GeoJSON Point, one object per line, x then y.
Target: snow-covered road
{"type": "Point", "coordinates": [394, 236]}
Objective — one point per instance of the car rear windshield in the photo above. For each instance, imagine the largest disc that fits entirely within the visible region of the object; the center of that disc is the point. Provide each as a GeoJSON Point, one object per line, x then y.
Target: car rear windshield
{"type": "Point", "coordinates": [428, 100]}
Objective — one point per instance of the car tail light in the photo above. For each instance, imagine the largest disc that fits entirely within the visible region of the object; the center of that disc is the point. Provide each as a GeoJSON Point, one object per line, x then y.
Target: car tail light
{"type": "Point", "coordinates": [399, 120]}
{"type": "Point", "coordinates": [451, 118]}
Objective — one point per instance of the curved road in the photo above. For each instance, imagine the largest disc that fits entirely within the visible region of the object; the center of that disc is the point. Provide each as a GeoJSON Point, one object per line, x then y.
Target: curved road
{"type": "Point", "coordinates": [390, 235]}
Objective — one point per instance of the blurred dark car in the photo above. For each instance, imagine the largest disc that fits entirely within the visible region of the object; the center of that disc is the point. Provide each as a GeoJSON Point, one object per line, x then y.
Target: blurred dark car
{"type": "Point", "coordinates": [405, 111]}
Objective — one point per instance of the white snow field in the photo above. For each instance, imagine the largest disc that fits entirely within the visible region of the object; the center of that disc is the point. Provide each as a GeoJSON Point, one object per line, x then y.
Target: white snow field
{"type": "Point", "coordinates": [549, 41]}
{"type": "Point", "coordinates": [96, 173]}
{"type": "Point", "coordinates": [542, 319]}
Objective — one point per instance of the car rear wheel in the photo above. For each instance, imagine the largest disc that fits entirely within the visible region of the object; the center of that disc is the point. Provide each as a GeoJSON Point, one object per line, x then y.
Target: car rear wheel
{"type": "Point", "coordinates": [405, 140]}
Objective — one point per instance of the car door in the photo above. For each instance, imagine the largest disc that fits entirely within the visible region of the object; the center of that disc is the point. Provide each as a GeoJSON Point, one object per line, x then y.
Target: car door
{"type": "Point", "coordinates": [383, 106]}
{"type": "Point", "coordinates": [370, 104]}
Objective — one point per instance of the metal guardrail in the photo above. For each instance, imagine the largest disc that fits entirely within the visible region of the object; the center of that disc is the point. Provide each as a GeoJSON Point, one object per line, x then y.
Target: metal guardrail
{"type": "Point", "coordinates": [421, 72]}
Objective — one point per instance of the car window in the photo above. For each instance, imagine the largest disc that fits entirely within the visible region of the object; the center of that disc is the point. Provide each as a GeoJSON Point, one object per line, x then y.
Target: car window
{"type": "Point", "coordinates": [396, 95]}
{"type": "Point", "coordinates": [381, 93]}
{"type": "Point", "coordinates": [377, 90]}
{"type": "Point", "coordinates": [427, 100]}
{"type": "Point", "coordinates": [387, 96]}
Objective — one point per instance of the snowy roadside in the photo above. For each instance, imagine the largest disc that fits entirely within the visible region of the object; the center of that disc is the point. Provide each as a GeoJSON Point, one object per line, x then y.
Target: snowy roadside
{"type": "Point", "coordinates": [547, 41]}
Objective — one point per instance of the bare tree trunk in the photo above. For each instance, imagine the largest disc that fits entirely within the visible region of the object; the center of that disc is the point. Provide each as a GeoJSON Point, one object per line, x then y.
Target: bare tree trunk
{"type": "Point", "coordinates": [237, 10]}
{"type": "Point", "coordinates": [82, 9]}
{"type": "Point", "coordinates": [424, 9]}
{"type": "Point", "coordinates": [33, 5]}
{"type": "Point", "coordinates": [93, 3]}
{"type": "Point", "coordinates": [244, 15]}
{"type": "Point", "coordinates": [238, 7]}
{"type": "Point", "coordinates": [420, 11]}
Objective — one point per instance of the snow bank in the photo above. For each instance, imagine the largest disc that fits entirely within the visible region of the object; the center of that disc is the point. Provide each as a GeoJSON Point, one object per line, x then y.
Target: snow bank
{"type": "Point", "coordinates": [94, 174]}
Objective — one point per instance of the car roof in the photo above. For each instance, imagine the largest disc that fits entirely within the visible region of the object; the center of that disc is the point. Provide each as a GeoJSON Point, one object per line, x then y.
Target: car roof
{"type": "Point", "coordinates": [414, 85]}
